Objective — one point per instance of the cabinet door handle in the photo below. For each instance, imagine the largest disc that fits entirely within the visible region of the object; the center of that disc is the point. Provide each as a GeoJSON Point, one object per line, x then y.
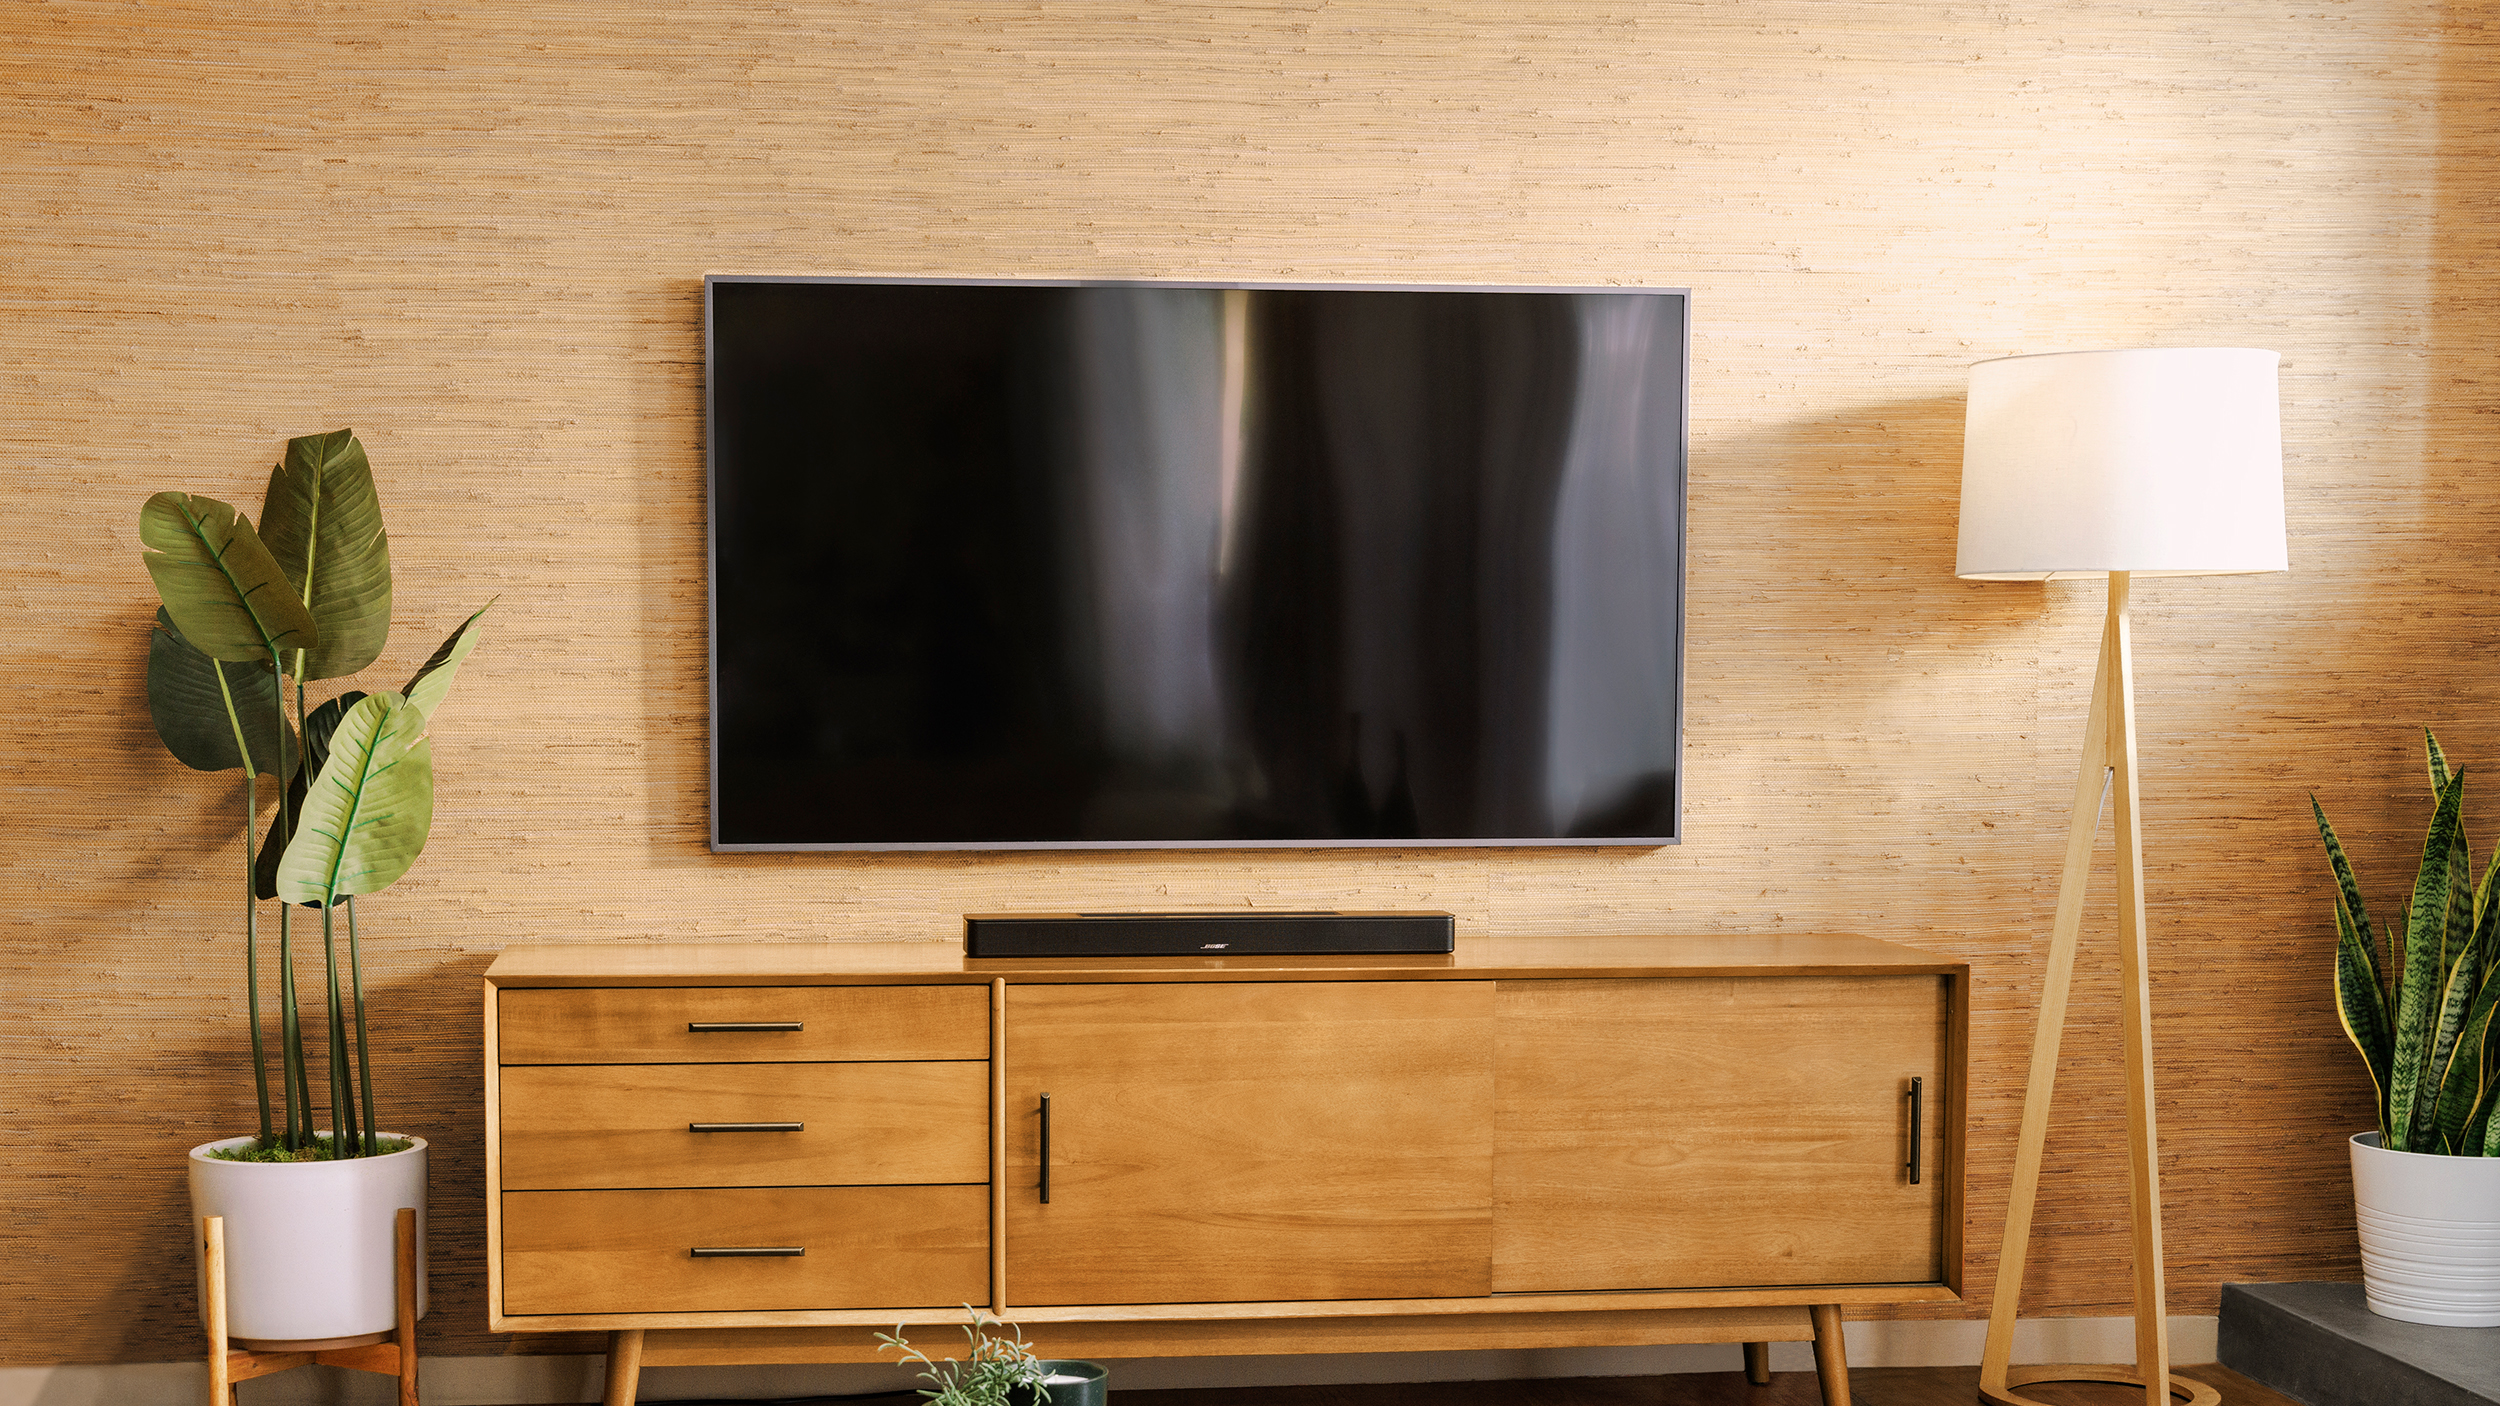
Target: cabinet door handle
{"type": "Point", "coordinates": [1917, 1118]}
{"type": "Point", "coordinates": [1045, 1149]}
{"type": "Point", "coordinates": [746, 1252]}
{"type": "Point", "coordinates": [746, 1127]}
{"type": "Point", "coordinates": [740, 1027]}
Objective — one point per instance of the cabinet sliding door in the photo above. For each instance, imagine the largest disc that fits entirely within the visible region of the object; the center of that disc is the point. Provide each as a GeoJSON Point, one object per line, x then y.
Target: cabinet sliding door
{"type": "Point", "coordinates": [1720, 1132]}
{"type": "Point", "coordinates": [1249, 1141]}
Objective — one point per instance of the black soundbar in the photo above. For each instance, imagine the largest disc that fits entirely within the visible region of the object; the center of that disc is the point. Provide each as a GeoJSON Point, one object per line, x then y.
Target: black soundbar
{"type": "Point", "coordinates": [1229, 934]}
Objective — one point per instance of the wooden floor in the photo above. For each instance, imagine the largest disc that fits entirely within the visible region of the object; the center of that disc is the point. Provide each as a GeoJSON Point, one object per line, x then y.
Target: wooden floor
{"type": "Point", "coordinates": [1868, 1386]}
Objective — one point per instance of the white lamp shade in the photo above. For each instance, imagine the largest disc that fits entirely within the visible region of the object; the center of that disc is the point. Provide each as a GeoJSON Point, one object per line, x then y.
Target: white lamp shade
{"type": "Point", "coordinates": [2162, 462]}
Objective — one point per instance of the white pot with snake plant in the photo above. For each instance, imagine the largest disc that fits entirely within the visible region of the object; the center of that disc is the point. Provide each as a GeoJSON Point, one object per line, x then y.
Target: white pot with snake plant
{"type": "Point", "coordinates": [2426, 1184]}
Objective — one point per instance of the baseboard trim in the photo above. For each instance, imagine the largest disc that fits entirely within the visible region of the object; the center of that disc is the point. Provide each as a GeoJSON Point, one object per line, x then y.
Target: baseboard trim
{"type": "Point", "coordinates": [547, 1381]}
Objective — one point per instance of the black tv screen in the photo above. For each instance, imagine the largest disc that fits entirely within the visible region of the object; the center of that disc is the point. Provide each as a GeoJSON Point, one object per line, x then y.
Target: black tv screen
{"type": "Point", "coordinates": [1003, 565]}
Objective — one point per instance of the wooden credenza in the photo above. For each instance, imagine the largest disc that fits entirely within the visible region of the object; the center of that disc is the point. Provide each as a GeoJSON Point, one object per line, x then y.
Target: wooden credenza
{"type": "Point", "coordinates": [766, 1152]}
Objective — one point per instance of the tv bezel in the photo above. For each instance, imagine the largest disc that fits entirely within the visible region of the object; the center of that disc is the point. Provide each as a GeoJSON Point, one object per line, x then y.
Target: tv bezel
{"type": "Point", "coordinates": [711, 571]}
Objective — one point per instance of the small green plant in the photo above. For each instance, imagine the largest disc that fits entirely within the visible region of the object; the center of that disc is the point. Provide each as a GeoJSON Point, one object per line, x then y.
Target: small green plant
{"type": "Point", "coordinates": [1000, 1364]}
{"type": "Point", "coordinates": [2428, 1038]}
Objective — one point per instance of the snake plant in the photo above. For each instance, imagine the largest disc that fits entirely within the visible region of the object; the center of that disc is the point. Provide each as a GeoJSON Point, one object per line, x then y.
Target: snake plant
{"type": "Point", "coordinates": [306, 596]}
{"type": "Point", "coordinates": [2428, 1037]}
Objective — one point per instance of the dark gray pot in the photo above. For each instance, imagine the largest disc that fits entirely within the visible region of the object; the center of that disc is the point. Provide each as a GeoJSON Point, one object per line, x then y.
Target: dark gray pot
{"type": "Point", "coordinates": [1094, 1390]}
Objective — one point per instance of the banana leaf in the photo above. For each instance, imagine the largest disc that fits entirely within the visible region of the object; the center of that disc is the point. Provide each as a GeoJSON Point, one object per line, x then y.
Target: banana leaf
{"type": "Point", "coordinates": [366, 816]}
{"type": "Point", "coordinates": [433, 680]}
{"type": "Point", "coordinates": [221, 587]}
{"type": "Point", "coordinates": [2436, 897]}
{"type": "Point", "coordinates": [196, 703]}
{"type": "Point", "coordinates": [322, 521]}
{"type": "Point", "coordinates": [318, 728]}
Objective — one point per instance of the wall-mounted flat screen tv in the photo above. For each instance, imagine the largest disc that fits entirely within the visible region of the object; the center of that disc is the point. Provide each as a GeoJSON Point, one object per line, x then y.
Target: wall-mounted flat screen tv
{"type": "Point", "coordinates": [1009, 565]}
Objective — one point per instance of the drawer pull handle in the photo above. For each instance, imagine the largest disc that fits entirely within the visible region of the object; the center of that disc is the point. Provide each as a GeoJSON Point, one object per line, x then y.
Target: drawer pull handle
{"type": "Point", "coordinates": [746, 1127]}
{"type": "Point", "coordinates": [740, 1027]}
{"type": "Point", "coordinates": [1045, 1149]}
{"type": "Point", "coordinates": [746, 1252]}
{"type": "Point", "coordinates": [1917, 1102]}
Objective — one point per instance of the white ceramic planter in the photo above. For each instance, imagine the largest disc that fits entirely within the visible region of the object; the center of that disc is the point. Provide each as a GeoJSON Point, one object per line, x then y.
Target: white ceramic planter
{"type": "Point", "coordinates": [309, 1244]}
{"type": "Point", "coordinates": [2430, 1234]}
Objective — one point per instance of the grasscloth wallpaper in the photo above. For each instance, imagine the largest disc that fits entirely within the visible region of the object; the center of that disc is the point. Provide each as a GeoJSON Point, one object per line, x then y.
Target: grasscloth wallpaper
{"type": "Point", "coordinates": [476, 232]}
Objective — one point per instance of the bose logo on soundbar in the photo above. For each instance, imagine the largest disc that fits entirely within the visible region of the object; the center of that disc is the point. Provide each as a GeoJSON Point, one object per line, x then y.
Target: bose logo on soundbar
{"type": "Point", "coordinates": [1210, 946]}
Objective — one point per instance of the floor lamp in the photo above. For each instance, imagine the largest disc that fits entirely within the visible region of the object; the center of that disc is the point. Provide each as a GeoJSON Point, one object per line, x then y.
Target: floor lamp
{"type": "Point", "coordinates": [2113, 464]}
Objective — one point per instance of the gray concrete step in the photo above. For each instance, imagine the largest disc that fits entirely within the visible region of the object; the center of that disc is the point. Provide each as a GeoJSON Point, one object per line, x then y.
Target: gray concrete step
{"type": "Point", "coordinates": [2322, 1344]}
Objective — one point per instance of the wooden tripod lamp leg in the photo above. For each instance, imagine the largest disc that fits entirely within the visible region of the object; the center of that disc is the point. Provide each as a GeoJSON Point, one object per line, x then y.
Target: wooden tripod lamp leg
{"type": "Point", "coordinates": [2108, 766]}
{"type": "Point", "coordinates": [2152, 1319]}
{"type": "Point", "coordinates": [2056, 983]}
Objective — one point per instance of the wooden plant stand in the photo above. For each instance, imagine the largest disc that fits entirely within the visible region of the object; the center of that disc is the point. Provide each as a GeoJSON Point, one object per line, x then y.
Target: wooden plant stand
{"type": "Point", "coordinates": [393, 1354]}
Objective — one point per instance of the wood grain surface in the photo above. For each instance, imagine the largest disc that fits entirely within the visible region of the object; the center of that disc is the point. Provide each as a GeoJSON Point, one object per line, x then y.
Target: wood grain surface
{"type": "Point", "coordinates": [635, 1125]}
{"type": "Point", "coordinates": [655, 1025]}
{"type": "Point", "coordinates": [475, 230]}
{"type": "Point", "coordinates": [1652, 1134]}
{"type": "Point", "coordinates": [631, 1251]}
{"type": "Point", "coordinates": [1477, 958]}
{"type": "Point", "coordinates": [1257, 1337]}
{"type": "Point", "coordinates": [1250, 1141]}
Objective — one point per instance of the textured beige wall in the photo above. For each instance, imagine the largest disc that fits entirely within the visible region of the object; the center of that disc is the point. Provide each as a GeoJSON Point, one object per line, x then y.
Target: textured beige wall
{"type": "Point", "coordinates": [476, 231]}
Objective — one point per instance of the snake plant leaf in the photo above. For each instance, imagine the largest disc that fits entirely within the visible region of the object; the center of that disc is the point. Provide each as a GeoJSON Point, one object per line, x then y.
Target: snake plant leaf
{"type": "Point", "coordinates": [323, 522]}
{"type": "Point", "coordinates": [196, 703]}
{"type": "Point", "coordinates": [367, 814]}
{"type": "Point", "coordinates": [2409, 1098]}
{"type": "Point", "coordinates": [2449, 1043]}
{"type": "Point", "coordinates": [2361, 1004]}
{"type": "Point", "coordinates": [2466, 1086]}
{"type": "Point", "coordinates": [222, 588]}
{"type": "Point", "coordinates": [2487, 916]}
{"type": "Point", "coordinates": [2348, 902]}
{"type": "Point", "coordinates": [2435, 759]}
{"type": "Point", "coordinates": [433, 681]}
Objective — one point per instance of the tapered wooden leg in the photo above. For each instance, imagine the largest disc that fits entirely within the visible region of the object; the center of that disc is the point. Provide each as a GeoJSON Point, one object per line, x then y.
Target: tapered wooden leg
{"type": "Point", "coordinates": [624, 1367]}
{"type": "Point", "coordinates": [2108, 768]}
{"type": "Point", "coordinates": [1831, 1359]}
{"type": "Point", "coordinates": [213, 1284]}
{"type": "Point", "coordinates": [1758, 1363]}
{"type": "Point", "coordinates": [2091, 784]}
{"type": "Point", "coordinates": [404, 1262]}
{"type": "Point", "coordinates": [2152, 1322]}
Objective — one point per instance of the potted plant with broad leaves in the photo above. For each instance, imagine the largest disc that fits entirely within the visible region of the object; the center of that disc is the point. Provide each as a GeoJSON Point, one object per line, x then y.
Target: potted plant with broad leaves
{"type": "Point", "coordinates": [1000, 1370]}
{"type": "Point", "coordinates": [2426, 1185]}
{"type": "Point", "coordinates": [245, 612]}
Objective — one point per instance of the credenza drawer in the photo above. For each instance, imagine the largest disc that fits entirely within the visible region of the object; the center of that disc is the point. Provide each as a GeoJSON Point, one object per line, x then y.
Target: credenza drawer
{"type": "Point", "coordinates": [741, 1024]}
{"type": "Point", "coordinates": [659, 1125]}
{"type": "Point", "coordinates": [638, 1251]}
